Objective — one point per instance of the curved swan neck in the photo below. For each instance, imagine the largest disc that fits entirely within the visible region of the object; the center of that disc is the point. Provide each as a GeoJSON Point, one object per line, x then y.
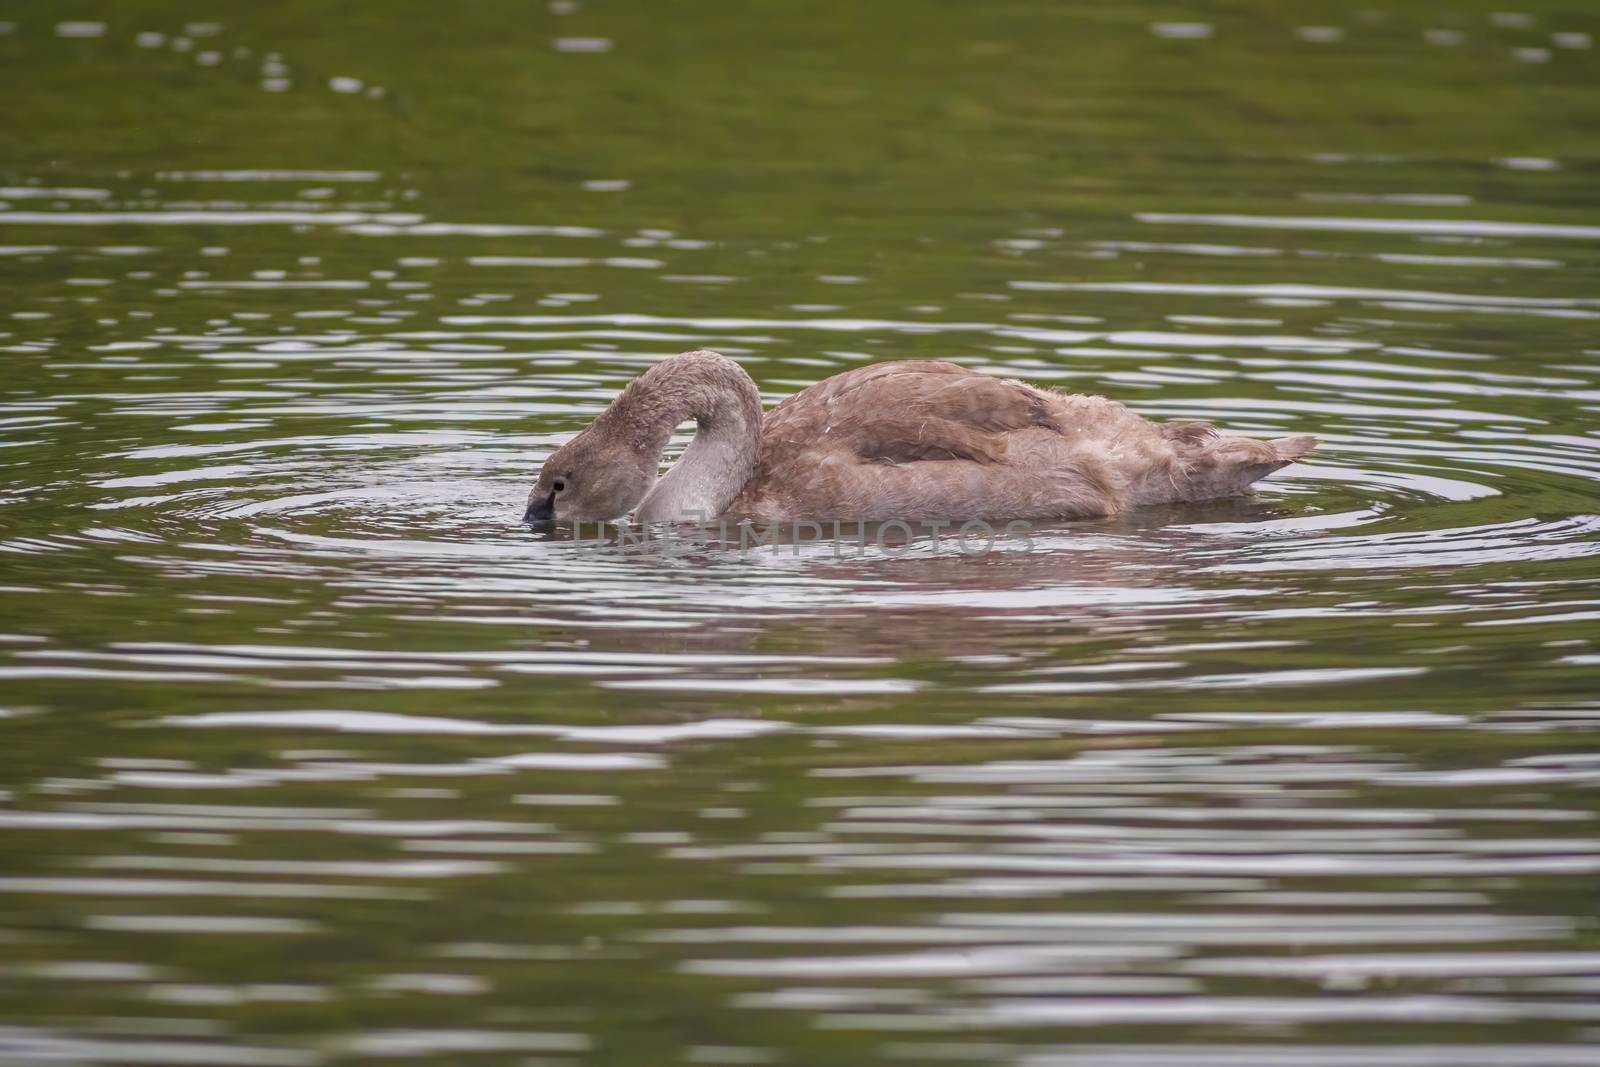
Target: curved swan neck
{"type": "Point", "coordinates": [723, 401]}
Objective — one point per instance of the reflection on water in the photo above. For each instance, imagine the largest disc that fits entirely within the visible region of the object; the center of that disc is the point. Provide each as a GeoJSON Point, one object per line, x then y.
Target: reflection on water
{"type": "Point", "coordinates": [314, 754]}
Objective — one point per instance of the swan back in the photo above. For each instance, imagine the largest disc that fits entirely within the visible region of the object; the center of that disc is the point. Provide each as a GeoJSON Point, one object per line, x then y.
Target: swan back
{"type": "Point", "coordinates": [928, 440]}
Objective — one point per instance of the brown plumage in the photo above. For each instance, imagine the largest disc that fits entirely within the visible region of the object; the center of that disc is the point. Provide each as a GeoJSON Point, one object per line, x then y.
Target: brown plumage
{"type": "Point", "coordinates": [915, 440]}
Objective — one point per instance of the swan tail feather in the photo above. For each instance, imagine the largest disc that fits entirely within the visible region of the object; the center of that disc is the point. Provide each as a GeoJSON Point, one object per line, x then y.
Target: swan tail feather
{"type": "Point", "coordinates": [1290, 449]}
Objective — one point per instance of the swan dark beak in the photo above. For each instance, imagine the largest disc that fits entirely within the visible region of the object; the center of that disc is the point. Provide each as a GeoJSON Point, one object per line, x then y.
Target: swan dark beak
{"type": "Point", "coordinates": [541, 511]}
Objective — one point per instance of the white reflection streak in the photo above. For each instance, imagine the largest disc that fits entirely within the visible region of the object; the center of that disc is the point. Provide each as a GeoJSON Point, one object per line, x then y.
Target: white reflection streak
{"type": "Point", "coordinates": [1213, 1010]}
{"type": "Point", "coordinates": [178, 887]}
{"type": "Point", "coordinates": [1464, 227]}
{"type": "Point", "coordinates": [1401, 965]}
{"type": "Point", "coordinates": [1306, 1055]}
{"type": "Point", "coordinates": [203, 218]}
{"type": "Point", "coordinates": [30, 1045]}
{"type": "Point", "coordinates": [1018, 959]}
{"type": "Point", "coordinates": [1294, 290]}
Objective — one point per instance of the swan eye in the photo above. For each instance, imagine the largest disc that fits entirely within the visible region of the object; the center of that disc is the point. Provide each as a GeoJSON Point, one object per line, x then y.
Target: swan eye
{"type": "Point", "coordinates": [558, 485]}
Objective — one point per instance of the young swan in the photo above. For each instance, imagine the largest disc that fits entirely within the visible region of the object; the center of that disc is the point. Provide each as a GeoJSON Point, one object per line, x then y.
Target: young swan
{"type": "Point", "coordinates": [916, 440]}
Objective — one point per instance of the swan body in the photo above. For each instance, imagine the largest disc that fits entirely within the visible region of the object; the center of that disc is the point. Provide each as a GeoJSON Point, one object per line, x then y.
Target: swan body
{"type": "Point", "coordinates": [914, 440]}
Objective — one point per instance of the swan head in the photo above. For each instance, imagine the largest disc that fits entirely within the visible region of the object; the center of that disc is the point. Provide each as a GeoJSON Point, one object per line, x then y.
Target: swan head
{"type": "Point", "coordinates": [591, 478]}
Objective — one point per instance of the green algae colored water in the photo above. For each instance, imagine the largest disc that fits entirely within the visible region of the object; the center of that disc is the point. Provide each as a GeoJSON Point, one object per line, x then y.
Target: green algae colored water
{"type": "Point", "coordinates": [311, 754]}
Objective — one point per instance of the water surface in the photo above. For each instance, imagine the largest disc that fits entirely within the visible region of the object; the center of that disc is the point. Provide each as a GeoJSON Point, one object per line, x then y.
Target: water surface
{"type": "Point", "coordinates": [312, 754]}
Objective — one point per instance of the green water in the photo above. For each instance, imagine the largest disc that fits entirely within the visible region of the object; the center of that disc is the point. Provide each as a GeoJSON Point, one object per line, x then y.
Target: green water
{"type": "Point", "coordinates": [309, 753]}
